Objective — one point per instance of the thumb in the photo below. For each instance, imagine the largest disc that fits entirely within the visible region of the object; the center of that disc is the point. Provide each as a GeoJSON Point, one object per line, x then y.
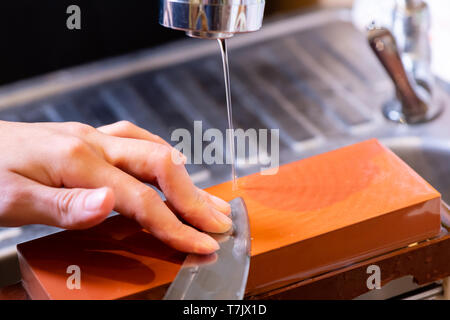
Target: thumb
{"type": "Point", "coordinates": [81, 208]}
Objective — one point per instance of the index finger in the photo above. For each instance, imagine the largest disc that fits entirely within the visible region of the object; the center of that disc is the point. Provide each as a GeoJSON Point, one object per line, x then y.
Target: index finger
{"type": "Point", "coordinates": [151, 161]}
{"type": "Point", "coordinates": [137, 201]}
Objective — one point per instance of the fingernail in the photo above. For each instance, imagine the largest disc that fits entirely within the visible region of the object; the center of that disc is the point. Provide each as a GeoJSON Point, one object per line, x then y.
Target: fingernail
{"type": "Point", "coordinates": [210, 244]}
{"type": "Point", "coordinates": [220, 204]}
{"type": "Point", "coordinates": [95, 199]}
{"type": "Point", "coordinates": [224, 222]}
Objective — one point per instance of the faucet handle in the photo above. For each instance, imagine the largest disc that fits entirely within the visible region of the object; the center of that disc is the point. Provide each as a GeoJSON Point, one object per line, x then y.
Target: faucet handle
{"type": "Point", "coordinates": [411, 106]}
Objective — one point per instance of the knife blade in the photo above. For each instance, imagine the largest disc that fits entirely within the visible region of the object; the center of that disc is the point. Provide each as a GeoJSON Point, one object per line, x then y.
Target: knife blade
{"type": "Point", "coordinates": [221, 275]}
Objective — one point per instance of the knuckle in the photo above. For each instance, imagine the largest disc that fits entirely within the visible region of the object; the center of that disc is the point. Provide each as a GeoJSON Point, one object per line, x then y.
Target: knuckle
{"type": "Point", "coordinates": [64, 203]}
{"type": "Point", "coordinates": [125, 125]}
{"type": "Point", "coordinates": [64, 206]}
{"type": "Point", "coordinates": [162, 163]}
{"type": "Point", "coordinates": [147, 196]}
{"type": "Point", "coordinates": [80, 129]}
{"type": "Point", "coordinates": [74, 147]}
{"type": "Point", "coordinates": [167, 157]}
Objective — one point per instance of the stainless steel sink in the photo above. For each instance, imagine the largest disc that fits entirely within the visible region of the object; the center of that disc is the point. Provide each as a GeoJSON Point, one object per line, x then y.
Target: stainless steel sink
{"type": "Point", "coordinates": [299, 73]}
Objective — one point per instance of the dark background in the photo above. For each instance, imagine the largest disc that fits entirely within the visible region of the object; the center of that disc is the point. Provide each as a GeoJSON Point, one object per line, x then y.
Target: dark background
{"type": "Point", "coordinates": [35, 40]}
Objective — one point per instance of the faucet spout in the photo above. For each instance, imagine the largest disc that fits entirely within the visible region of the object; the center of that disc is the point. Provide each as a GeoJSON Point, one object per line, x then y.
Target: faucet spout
{"type": "Point", "coordinates": [212, 19]}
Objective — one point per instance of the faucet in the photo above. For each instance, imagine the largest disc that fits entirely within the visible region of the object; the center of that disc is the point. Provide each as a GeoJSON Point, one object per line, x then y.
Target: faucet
{"type": "Point", "coordinates": [405, 54]}
{"type": "Point", "coordinates": [212, 19]}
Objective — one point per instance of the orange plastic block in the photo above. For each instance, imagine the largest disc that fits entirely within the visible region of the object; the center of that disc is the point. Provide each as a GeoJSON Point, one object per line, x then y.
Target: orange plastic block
{"type": "Point", "coordinates": [313, 216]}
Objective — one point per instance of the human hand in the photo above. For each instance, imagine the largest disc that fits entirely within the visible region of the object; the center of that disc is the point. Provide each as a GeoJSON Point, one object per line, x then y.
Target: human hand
{"type": "Point", "coordinates": [71, 175]}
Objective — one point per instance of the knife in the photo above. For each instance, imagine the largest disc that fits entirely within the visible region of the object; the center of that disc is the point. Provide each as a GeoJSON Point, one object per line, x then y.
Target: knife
{"type": "Point", "coordinates": [221, 275]}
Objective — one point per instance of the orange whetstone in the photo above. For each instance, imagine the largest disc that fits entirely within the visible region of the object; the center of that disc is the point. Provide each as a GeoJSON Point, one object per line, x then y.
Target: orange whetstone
{"type": "Point", "coordinates": [313, 216]}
